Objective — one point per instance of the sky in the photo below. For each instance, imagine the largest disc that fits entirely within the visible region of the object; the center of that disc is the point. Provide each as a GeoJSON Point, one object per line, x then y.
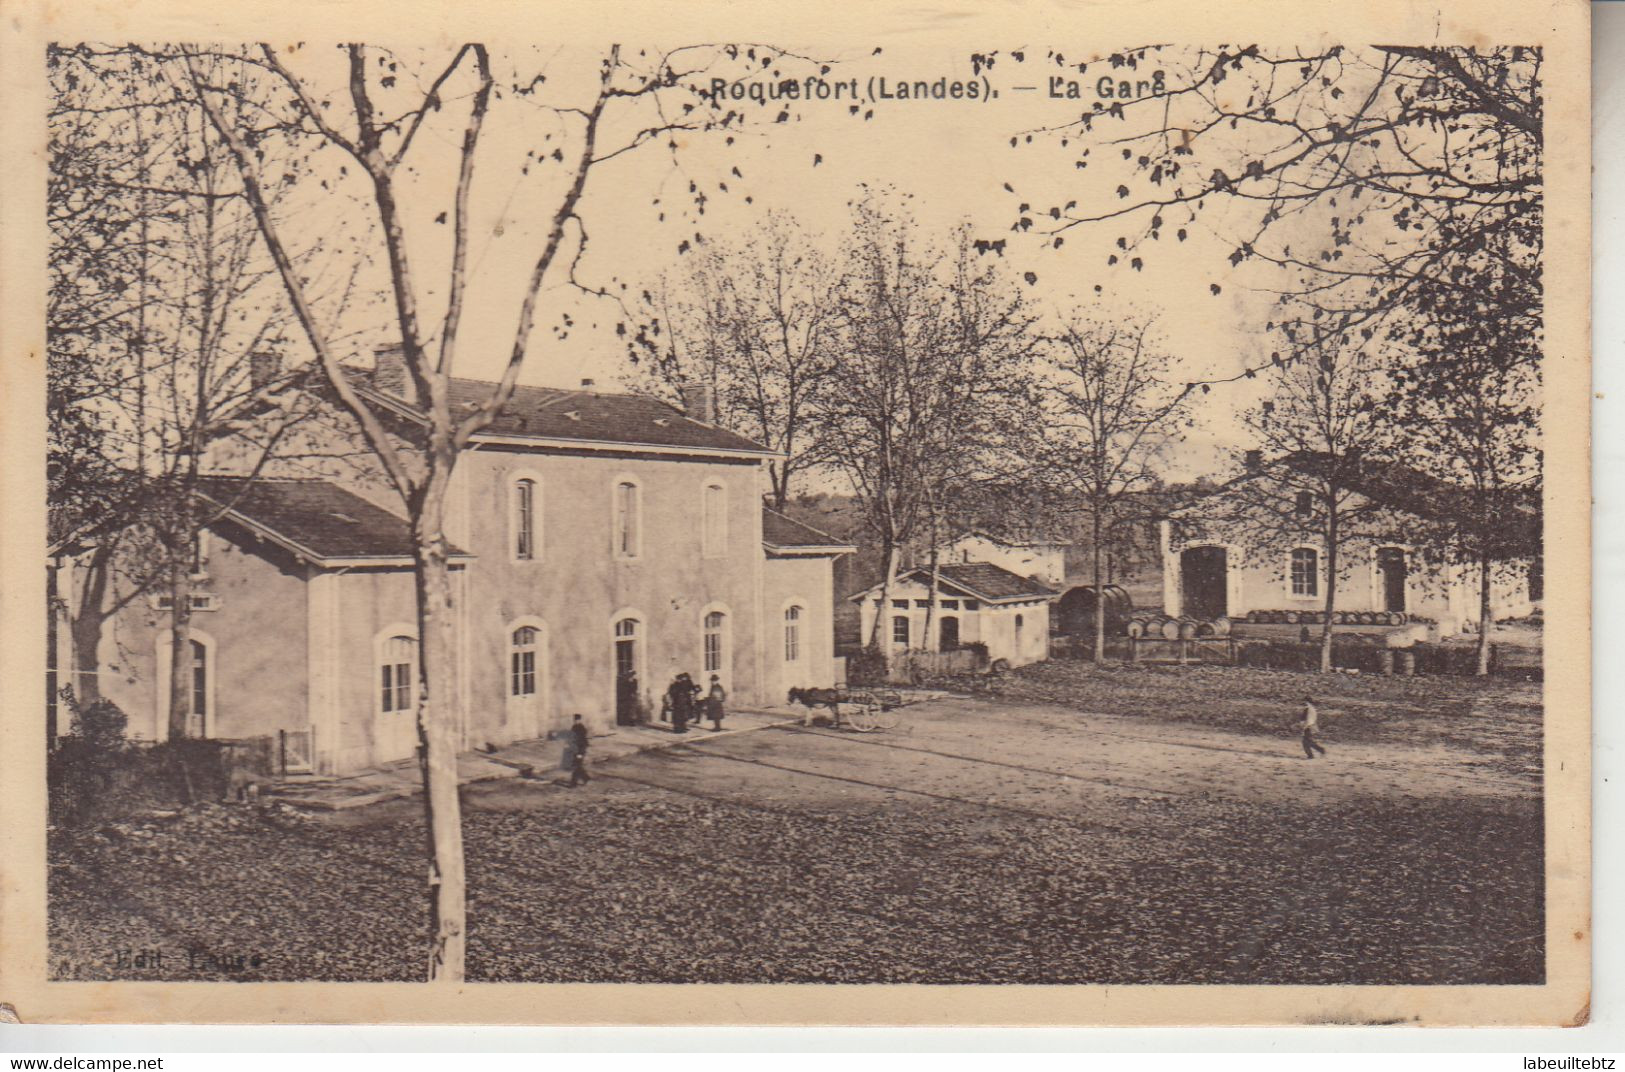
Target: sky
{"type": "Point", "coordinates": [952, 160]}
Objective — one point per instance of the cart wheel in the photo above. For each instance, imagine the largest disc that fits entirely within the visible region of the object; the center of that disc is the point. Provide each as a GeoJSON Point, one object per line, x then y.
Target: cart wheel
{"type": "Point", "coordinates": [864, 720]}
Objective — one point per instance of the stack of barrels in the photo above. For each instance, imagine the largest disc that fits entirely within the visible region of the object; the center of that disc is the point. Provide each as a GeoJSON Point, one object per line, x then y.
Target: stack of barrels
{"type": "Point", "coordinates": [1316, 617]}
{"type": "Point", "coordinates": [1154, 625]}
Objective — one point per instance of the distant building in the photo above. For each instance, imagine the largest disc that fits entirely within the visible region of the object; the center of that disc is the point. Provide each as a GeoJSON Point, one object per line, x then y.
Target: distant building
{"type": "Point", "coordinates": [977, 602]}
{"type": "Point", "coordinates": [1043, 559]}
{"type": "Point", "coordinates": [1216, 564]}
{"type": "Point", "coordinates": [604, 543]}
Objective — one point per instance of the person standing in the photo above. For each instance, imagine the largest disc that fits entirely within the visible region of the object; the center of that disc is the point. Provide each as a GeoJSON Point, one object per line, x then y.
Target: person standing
{"type": "Point", "coordinates": [714, 700]}
{"type": "Point", "coordinates": [578, 754]}
{"type": "Point", "coordinates": [1309, 723]}
{"type": "Point", "coordinates": [681, 695]}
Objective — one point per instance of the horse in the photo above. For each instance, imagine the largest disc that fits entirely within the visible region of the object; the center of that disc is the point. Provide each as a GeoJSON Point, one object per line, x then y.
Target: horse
{"type": "Point", "coordinates": [812, 699]}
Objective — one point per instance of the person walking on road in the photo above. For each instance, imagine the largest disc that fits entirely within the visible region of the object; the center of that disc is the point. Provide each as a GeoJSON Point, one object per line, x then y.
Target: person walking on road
{"type": "Point", "coordinates": [1309, 723]}
{"type": "Point", "coordinates": [714, 699]}
{"type": "Point", "coordinates": [578, 753]}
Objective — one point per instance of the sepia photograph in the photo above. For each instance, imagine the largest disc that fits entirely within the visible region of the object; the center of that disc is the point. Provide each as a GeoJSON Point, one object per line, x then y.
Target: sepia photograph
{"type": "Point", "coordinates": [969, 509]}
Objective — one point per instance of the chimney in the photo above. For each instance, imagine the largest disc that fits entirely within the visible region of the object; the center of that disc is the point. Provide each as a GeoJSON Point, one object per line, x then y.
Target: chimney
{"type": "Point", "coordinates": [389, 373]}
{"type": "Point", "coordinates": [699, 401]}
{"type": "Point", "coordinates": [1254, 460]}
{"type": "Point", "coordinates": [263, 367]}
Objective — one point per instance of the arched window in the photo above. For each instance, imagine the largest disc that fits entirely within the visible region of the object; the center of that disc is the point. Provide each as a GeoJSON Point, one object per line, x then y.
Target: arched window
{"type": "Point", "coordinates": [714, 519]}
{"type": "Point", "coordinates": [792, 634]}
{"type": "Point", "coordinates": [628, 519]}
{"type": "Point", "coordinates": [714, 624]}
{"type": "Point", "coordinates": [1305, 571]}
{"type": "Point", "coordinates": [397, 656]}
{"type": "Point", "coordinates": [524, 519]}
{"type": "Point", "coordinates": [522, 664]}
{"type": "Point", "coordinates": [200, 683]}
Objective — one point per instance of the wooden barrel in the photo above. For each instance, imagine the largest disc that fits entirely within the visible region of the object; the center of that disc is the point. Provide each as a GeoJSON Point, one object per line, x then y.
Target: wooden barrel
{"type": "Point", "coordinates": [1170, 629]}
{"type": "Point", "coordinates": [1187, 628]}
{"type": "Point", "coordinates": [1221, 626]}
{"type": "Point", "coordinates": [1136, 627]}
{"type": "Point", "coordinates": [1292, 617]}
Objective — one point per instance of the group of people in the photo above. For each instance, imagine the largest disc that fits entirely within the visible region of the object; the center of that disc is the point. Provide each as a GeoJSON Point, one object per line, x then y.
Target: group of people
{"type": "Point", "coordinates": [686, 702]}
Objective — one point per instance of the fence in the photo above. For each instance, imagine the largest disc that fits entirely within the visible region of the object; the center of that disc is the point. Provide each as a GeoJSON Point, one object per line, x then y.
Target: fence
{"type": "Point", "coordinates": [912, 666]}
{"type": "Point", "coordinates": [1348, 653]}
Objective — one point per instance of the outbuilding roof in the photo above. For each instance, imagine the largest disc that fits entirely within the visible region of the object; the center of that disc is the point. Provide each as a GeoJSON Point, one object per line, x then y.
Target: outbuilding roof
{"type": "Point", "coordinates": [787, 536]}
{"type": "Point", "coordinates": [314, 519]}
{"type": "Point", "coordinates": [979, 580]}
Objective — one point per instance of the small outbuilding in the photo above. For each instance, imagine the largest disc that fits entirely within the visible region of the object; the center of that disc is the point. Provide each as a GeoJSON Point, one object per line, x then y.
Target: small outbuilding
{"type": "Point", "coordinates": [977, 602]}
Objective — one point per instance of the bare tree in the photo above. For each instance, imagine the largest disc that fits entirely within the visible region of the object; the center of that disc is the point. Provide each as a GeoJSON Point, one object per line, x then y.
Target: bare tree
{"type": "Point", "coordinates": [1112, 416]}
{"type": "Point", "coordinates": [373, 121]}
{"type": "Point", "coordinates": [1469, 417]}
{"type": "Point", "coordinates": [933, 367]}
{"type": "Point", "coordinates": [168, 306]}
{"type": "Point", "coordinates": [1324, 423]}
{"type": "Point", "coordinates": [759, 320]}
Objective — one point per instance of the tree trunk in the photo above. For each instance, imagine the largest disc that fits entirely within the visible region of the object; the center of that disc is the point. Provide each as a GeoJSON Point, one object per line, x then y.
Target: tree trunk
{"type": "Point", "coordinates": [180, 642]}
{"type": "Point", "coordinates": [1486, 617]}
{"type": "Point", "coordinates": [85, 627]}
{"type": "Point", "coordinates": [1100, 590]}
{"type": "Point", "coordinates": [1332, 538]}
{"type": "Point", "coordinates": [931, 596]}
{"type": "Point", "coordinates": [879, 641]}
{"type": "Point", "coordinates": [438, 743]}
{"type": "Point", "coordinates": [779, 478]}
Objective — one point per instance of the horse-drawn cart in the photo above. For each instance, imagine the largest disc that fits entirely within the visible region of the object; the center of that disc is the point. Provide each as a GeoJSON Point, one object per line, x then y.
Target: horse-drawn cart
{"type": "Point", "coordinates": [861, 710]}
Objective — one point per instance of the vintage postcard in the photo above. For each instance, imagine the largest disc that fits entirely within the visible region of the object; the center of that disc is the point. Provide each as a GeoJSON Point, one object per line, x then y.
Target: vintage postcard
{"type": "Point", "coordinates": [1037, 513]}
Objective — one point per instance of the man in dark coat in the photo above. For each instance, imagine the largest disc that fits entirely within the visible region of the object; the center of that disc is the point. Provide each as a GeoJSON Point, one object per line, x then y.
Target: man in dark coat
{"type": "Point", "coordinates": [578, 756]}
{"type": "Point", "coordinates": [681, 694]}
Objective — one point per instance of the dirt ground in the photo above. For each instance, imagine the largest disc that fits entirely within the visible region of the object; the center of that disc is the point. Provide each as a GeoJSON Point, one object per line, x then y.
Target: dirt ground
{"type": "Point", "coordinates": [982, 841]}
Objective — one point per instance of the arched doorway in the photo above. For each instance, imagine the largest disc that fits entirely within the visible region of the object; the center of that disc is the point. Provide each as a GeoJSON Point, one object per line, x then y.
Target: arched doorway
{"type": "Point", "coordinates": [527, 706]}
{"type": "Point", "coordinates": [1203, 582]}
{"type": "Point", "coordinates": [395, 730]}
{"type": "Point", "coordinates": [628, 638]}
